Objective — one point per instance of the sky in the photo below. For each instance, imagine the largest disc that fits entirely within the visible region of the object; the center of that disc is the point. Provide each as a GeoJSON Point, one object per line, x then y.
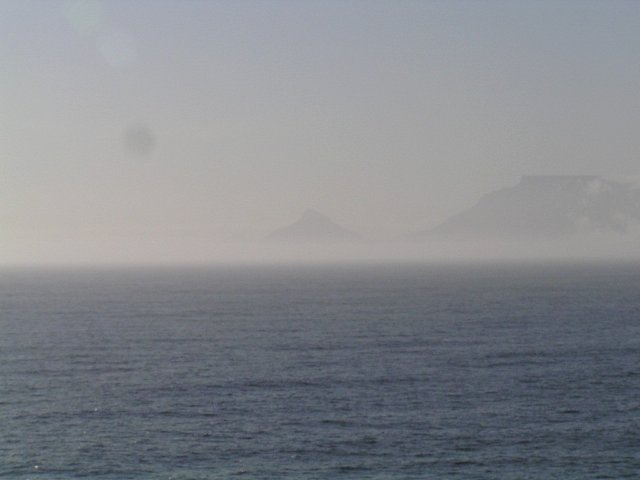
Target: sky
{"type": "Point", "coordinates": [134, 129]}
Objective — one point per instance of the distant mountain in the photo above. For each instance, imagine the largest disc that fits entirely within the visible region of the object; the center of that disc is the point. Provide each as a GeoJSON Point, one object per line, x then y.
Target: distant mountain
{"type": "Point", "coordinates": [313, 227]}
{"type": "Point", "coordinates": [543, 206]}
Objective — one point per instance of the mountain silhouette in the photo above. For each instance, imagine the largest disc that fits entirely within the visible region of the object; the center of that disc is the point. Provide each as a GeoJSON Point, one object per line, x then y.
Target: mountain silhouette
{"type": "Point", "coordinates": [543, 206]}
{"type": "Point", "coordinates": [313, 227]}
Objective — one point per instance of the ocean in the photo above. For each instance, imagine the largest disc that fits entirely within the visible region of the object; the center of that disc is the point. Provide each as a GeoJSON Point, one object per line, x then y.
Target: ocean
{"type": "Point", "coordinates": [397, 371]}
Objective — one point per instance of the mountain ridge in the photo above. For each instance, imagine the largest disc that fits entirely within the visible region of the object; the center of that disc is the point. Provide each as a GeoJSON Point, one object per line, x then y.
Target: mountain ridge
{"type": "Point", "coordinates": [546, 206]}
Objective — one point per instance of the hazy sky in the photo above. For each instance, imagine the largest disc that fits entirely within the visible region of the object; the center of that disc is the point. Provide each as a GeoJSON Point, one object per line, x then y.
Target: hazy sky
{"type": "Point", "coordinates": [175, 120]}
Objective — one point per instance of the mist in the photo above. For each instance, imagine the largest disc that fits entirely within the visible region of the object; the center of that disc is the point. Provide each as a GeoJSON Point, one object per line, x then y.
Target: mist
{"type": "Point", "coordinates": [190, 132]}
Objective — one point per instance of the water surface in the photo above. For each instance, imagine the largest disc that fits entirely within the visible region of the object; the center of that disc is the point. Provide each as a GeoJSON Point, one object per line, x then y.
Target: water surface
{"type": "Point", "coordinates": [359, 372]}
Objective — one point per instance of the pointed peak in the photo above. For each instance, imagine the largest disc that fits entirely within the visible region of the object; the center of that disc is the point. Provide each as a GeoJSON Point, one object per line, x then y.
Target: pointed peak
{"type": "Point", "coordinates": [310, 213]}
{"type": "Point", "coordinates": [314, 226]}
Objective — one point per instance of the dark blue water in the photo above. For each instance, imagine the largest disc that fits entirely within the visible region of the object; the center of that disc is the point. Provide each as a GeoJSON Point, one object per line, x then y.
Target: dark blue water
{"type": "Point", "coordinates": [369, 372]}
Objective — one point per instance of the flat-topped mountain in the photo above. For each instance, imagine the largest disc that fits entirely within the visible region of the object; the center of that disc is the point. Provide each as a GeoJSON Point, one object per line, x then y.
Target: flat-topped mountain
{"type": "Point", "coordinates": [547, 206]}
{"type": "Point", "coordinates": [313, 227]}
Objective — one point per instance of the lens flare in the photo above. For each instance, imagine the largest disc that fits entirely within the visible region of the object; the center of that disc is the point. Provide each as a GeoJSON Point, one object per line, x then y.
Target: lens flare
{"type": "Point", "coordinates": [138, 140]}
{"type": "Point", "coordinates": [84, 16]}
{"type": "Point", "coordinates": [117, 48]}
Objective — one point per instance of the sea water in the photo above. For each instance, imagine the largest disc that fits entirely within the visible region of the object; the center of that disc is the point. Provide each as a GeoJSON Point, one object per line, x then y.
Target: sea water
{"type": "Point", "coordinates": [321, 372]}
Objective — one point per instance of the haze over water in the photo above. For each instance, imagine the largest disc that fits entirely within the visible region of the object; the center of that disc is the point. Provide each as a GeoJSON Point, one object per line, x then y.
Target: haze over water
{"type": "Point", "coordinates": [179, 131]}
{"type": "Point", "coordinates": [297, 239]}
